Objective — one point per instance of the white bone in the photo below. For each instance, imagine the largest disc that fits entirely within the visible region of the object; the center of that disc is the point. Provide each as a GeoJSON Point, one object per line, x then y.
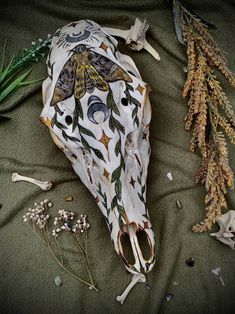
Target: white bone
{"type": "Point", "coordinates": [135, 37]}
{"type": "Point", "coordinates": [135, 279]}
{"type": "Point", "coordinates": [44, 185]}
{"type": "Point", "coordinates": [227, 229]}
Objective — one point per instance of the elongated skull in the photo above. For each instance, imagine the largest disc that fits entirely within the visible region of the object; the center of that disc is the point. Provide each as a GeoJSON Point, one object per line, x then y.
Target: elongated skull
{"type": "Point", "coordinates": [98, 112]}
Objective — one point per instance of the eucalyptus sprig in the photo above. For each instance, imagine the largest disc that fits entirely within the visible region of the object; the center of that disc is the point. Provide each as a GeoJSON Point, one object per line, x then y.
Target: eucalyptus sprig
{"type": "Point", "coordinates": [10, 75]}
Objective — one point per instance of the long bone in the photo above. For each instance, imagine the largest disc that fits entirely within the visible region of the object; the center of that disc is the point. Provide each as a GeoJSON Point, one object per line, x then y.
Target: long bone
{"type": "Point", "coordinates": [135, 37]}
{"type": "Point", "coordinates": [44, 185]}
{"type": "Point", "coordinates": [135, 279]}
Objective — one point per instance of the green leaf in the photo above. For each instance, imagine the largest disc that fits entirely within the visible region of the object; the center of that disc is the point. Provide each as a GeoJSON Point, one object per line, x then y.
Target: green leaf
{"type": "Point", "coordinates": [135, 102]}
{"type": "Point", "coordinates": [114, 202]}
{"type": "Point", "coordinates": [111, 103]}
{"type": "Point", "coordinates": [3, 56]}
{"type": "Point", "coordinates": [73, 139]}
{"type": "Point", "coordinates": [60, 125]}
{"type": "Point", "coordinates": [116, 174]}
{"type": "Point", "coordinates": [14, 85]}
{"type": "Point", "coordinates": [6, 72]}
{"type": "Point", "coordinates": [30, 82]}
{"type": "Point", "coordinates": [141, 198]}
{"type": "Point", "coordinates": [118, 189]}
{"type": "Point", "coordinates": [119, 126]}
{"type": "Point", "coordinates": [64, 135]}
{"type": "Point", "coordinates": [111, 123]}
{"type": "Point", "coordinates": [139, 180]}
{"type": "Point", "coordinates": [130, 87]}
{"type": "Point", "coordinates": [134, 112]}
{"type": "Point", "coordinates": [118, 147]}
{"type": "Point", "coordinates": [122, 164]}
{"type": "Point", "coordinates": [121, 210]}
{"type": "Point", "coordinates": [145, 216]}
{"type": "Point", "coordinates": [75, 122]}
{"type": "Point", "coordinates": [85, 144]}
{"type": "Point", "coordinates": [136, 120]}
{"type": "Point", "coordinates": [143, 189]}
{"type": "Point", "coordinates": [78, 108]}
{"type": "Point", "coordinates": [85, 131]}
{"type": "Point", "coordinates": [57, 109]}
{"type": "Point", "coordinates": [98, 153]}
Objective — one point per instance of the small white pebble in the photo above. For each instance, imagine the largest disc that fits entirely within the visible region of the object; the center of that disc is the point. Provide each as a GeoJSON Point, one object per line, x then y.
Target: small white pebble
{"type": "Point", "coordinates": [216, 271]}
{"type": "Point", "coordinates": [169, 176]}
{"type": "Point", "coordinates": [58, 281]}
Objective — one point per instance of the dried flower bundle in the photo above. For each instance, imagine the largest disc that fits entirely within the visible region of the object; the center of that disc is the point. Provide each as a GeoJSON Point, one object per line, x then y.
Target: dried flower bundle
{"type": "Point", "coordinates": [210, 115]}
{"type": "Point", "coordinates": [38, 220]}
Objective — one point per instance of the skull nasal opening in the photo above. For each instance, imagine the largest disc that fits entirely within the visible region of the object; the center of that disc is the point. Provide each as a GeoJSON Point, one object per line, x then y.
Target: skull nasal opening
{"type": "Point", "coordinates": [134, 244]}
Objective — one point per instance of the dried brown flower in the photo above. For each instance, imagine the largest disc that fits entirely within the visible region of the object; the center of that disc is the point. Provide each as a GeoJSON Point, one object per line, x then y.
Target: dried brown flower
{"type": "Point", "coordinates": [210, 115]}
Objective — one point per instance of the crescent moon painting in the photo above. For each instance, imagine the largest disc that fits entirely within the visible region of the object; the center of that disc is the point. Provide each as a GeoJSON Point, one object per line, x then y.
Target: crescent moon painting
{"type": "Point", "coordinates": [77, 37]}
{"type": "Point", "coordinates": [98, 112]}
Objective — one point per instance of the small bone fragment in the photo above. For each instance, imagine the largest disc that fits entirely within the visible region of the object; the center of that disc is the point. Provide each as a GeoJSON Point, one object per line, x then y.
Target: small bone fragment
{"type": "Point", "coordinates": [58, 281]}
{"type": "Point", "coordinates": [135, 279]}
{"type": "Point", "coordinates": [44, 185]}
{"type": "Point", "coordinates": [221, 281]}
{"type": "Point", "coordinates": [169, 176]}
{"type": "Point", "coordinates": [135, 37]}
{"type": "Point", "coordinates": [216, 271]}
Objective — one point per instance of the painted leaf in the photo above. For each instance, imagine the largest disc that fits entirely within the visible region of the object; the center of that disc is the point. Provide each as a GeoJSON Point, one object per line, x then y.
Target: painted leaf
{"type": "Point", "coordinates": [111, 123]}
{"type": "Point", "coordinates": [119, 126]}
{"type": "Point", "coordinates": [60, 125]}
{"type": "Point", "coordinates": [111, 103]}
{"type": "Point", "coordinates": [114, 202]}
{"type": "Point", "coordinates": [118, 189]}
{"type": "Point", "coordinates": [116, 174]}
{"type": "Point", "coordinates": [85, 144]}
{"type": "Point", "coordinates": [121, 210]}
{"type": "Point", "coordinates": [118, 147]}
{"type": "Point", "coordinates": [135, 102]}
{"type": "Point", "coordinates": [78, 108]}
{"type": "Point", "coordinates": [85, 131]}
{"type": "Point", "coordinates": [134, 112]}
{"type": "Point", "coordinates": [98, 153]}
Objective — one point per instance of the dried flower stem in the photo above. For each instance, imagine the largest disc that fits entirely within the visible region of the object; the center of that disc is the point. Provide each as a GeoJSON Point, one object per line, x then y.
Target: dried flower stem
{"type": "Point", "coordinates": [91, 285]}
{"type": "Point", "coordinates": [84, 251]}
{"type": "Point", "coordinates": [210, 113]}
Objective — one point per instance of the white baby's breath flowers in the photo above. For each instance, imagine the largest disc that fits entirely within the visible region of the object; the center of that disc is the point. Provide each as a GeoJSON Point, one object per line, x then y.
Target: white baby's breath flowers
{"type": "Point", "coordinates": [64, 222]}
{"type": "Point", "coordinates": [81, 225]}
{"type": "Point", "coordinates": [38, 215]}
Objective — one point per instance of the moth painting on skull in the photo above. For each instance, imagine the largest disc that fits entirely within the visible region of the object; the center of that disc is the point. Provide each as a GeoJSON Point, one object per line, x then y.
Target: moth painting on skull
{"type": "Point", "coordinates": [98, 112]}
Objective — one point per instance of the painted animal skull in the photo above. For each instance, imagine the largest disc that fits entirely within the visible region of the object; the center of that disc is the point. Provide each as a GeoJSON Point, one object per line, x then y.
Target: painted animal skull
{"type": "Point", "coordinates": [98, 112]}
{"type": "Point", "coordinates": [226, 233]}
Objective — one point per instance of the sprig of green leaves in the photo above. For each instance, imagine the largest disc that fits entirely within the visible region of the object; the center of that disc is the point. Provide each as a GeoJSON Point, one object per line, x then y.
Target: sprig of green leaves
{"type": "Point", "coordinates": [10, 77]}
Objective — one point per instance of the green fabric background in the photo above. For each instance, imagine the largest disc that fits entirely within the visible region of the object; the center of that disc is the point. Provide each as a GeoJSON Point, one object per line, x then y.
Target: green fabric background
{"type": "Point", "coordinates": [27, 270]}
